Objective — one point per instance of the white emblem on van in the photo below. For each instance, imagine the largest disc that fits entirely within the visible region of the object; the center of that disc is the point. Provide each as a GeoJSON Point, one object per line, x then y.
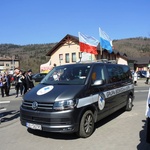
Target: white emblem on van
{"type": "Point", "coordinates": [101, 102]}
{"type": "Point", "coordinates": [44, 90]}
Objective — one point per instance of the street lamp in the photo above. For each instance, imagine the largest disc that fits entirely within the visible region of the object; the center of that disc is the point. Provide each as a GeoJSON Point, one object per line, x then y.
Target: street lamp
{"type": "Point", "coordinates": [13, 63]}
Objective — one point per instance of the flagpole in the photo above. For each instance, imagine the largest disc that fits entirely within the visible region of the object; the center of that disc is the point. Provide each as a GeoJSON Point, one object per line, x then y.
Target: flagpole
{"type": "Point", "coordinates": [101, 52]}
{"type": "Point", "coordinates": [100, 45]}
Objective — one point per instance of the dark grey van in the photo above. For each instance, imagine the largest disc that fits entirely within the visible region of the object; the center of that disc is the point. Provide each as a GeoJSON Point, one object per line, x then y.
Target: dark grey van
{"type": "Point", "coordinates": [72, 98]}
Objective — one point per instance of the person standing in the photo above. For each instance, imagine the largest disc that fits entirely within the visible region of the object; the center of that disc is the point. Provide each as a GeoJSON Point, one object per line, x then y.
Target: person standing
{"type": "Point", "coordinates": [24, 82]}
{"type": "Point", "coordinates": [21, 82]}
{"type": "Point", "coordinates": [147, 76]}
{"type": "Point", "coordinates": [135, 77]}
{"type": "Point", "coordinates": [147, 114]}
{"type": "Point", "coordinates": [19, 85]}
{"type": "Point", "coordinates": [8, 83]}
{"type": "Point", "coordinates": [18, 82]}
{"type": "Point", "coordinates": [29, 80]}
{"type": "Point", "coordinates": [1, 85]}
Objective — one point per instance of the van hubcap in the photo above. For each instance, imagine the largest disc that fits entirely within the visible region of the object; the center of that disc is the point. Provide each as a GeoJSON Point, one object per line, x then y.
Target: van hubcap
{"type": "Point", "coordinates": [88, 124]}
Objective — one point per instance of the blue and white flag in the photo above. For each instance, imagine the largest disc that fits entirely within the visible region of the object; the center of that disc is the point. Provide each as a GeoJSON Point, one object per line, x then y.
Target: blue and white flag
{"type": "Point", "coordinates": [105, 41]}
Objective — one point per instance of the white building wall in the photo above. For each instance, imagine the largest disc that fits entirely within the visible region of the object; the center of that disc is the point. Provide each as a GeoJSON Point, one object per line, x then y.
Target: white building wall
{"type": "Point", "coordinates": [122, 61]}
{"type": "Point", "coordinates": [73, 48]}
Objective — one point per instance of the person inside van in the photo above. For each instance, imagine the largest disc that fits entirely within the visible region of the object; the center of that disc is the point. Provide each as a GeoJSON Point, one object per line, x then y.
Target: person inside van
{"type": "Point", "coordinates": [55, 76]}
{"type": "Point", "coordinates": [66, 75]}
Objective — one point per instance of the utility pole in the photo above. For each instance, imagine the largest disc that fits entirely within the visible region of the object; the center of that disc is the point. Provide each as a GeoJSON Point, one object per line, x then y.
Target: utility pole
{"type": "Point", "coordinates": [13, 63]}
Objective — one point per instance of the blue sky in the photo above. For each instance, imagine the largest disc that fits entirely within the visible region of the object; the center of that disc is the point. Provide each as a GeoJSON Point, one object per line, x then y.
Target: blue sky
{"type": "Point", "coordinates": [25, 22]}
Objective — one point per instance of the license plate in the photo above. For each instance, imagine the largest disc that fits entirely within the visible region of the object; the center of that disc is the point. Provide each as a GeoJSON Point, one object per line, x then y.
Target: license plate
{"type": "Point", "coordinates": [33, 126]}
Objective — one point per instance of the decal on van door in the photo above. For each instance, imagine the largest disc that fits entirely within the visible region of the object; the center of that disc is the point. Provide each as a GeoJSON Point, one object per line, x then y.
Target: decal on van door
{"type": "Point", "coordinates": [101, 102]}
{"type": "Point", "coordinates": [97, 98]}
{"type": "Point", "coordinates": [44, 90]}
{"type": "Point", "coordinates": [116, 91]}
{"type": "Point", "coordinates": [100, 97]}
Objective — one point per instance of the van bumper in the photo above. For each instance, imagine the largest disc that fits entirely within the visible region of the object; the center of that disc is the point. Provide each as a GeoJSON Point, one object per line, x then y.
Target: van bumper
{"type": "Point", "coordinates": [61, 121]}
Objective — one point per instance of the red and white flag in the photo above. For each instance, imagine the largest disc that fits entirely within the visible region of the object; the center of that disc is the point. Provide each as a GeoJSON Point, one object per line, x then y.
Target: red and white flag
{"type": "Point", "coordinates": [88, 44]}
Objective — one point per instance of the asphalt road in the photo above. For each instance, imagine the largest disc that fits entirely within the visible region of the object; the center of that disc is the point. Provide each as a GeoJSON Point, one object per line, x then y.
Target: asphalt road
{"type": "Point", "coordinates": [120, 131]}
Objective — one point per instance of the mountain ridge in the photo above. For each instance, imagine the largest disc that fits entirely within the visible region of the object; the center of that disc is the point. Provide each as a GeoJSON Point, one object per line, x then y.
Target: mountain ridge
{"type": "Point", "coordinates": [33, 55]}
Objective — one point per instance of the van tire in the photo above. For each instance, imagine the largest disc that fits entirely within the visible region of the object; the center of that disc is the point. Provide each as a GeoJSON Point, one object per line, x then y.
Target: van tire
{"type": "Point", "coordinates": [86, 127]}
{"type": "Point", "coordinates": [129, 104]}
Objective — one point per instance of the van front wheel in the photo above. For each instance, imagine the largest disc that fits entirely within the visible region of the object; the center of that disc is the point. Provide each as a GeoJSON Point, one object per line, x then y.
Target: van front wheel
{"type": "Point", "coordinates": [86, 125]}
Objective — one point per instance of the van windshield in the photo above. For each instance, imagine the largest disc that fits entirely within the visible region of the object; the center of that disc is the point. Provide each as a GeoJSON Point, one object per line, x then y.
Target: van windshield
{"type": "Point", "coordinates": [74, 74]}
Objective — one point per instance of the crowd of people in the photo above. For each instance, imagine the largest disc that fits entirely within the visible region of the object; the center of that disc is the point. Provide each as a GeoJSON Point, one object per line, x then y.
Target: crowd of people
{"type": "Point", "coordinates": [22, 81]}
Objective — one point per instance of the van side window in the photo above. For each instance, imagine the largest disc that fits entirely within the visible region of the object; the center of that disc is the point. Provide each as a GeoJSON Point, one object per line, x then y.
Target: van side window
{"type": "Point", "coordinates": [118, 73]}
{"type": "Point", "coordinates": [111, 75]}
{"type": "Point", "coordinates": [98, 73]}
{"type": "Point", "coordinates": [126, 73]}
{"type": "Point", "coordinates": [115, 73]}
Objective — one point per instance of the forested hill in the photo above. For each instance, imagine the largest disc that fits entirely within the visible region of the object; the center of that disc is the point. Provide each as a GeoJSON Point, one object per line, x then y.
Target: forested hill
{"type": "Point", "coordinates": [133, 47]}
{"type": "Point", "coordinates": [32, 56]}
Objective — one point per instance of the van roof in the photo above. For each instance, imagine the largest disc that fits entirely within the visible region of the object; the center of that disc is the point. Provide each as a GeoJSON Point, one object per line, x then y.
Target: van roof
{"type": "Point", "coordinates": [99, 60]}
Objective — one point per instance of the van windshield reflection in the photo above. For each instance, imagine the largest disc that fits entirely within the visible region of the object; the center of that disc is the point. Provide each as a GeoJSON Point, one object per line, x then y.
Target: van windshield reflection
{"type": "Point", "coordinates": [67, 75]}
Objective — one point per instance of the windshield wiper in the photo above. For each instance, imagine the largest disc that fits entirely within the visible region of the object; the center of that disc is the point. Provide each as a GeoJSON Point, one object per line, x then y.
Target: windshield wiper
{"type": "Point", "coordinates": [62, 83]}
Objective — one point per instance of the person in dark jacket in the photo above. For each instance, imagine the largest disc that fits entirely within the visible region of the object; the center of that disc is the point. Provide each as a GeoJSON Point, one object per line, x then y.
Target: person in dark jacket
{"type": "Point", "coordinates": [2, 85]}
{"type": "Point", "coordinates": [8, 83]}
{"type": "Point", "coordinates": [29, 80]}
{"type": "Point", "coordinates": [19, 84]}
{"type": "Point", "coordinates": [24, 82]}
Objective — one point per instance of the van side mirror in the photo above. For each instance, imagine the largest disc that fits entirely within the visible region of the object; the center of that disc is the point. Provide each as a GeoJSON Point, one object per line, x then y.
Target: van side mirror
{"type": "Point", "coordinates": [98, 82]}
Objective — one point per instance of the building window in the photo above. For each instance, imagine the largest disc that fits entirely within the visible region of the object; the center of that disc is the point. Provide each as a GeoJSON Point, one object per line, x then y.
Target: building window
{"type": "Point", "coordinates": [1, 64]}
{"type": "Point", "coordinates": [60, 56]}
{"type": "Point", "coordinates": [67, 58]}
{"type": "Point", "coordinates": [7, 65]}
{"type": "Point", "coordinates": [73, 57]}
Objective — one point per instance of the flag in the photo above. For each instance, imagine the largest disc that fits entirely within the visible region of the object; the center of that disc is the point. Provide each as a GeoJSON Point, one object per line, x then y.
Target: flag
{"type": "Point", "coordinates": [88, 44]}
{"type": "Point", "coordinates": [147, 113]}
{"type": "Point", "coordinates": [105, 41]}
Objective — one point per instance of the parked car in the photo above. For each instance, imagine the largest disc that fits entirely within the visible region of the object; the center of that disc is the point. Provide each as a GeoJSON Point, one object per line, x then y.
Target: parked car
{"type": "Point", "coordinates": [142, 74]}
{"type": "Point", "coordinates": [38, 77]}
{"type": "Point", "coordinates": [138, 75]}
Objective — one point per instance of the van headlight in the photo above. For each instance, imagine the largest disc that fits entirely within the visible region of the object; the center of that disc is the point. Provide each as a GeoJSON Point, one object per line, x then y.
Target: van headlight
{"type": "Point", "coordinates": [64, 105]}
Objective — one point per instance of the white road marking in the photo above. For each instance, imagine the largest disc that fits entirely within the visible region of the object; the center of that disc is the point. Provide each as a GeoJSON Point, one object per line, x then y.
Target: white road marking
{"type": "Point", "coordinates": [137, 91]}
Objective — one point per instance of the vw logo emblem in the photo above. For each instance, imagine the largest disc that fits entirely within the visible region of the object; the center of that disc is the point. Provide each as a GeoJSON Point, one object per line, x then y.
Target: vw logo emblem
{"type": "Point", "coordinates": [34, 105]}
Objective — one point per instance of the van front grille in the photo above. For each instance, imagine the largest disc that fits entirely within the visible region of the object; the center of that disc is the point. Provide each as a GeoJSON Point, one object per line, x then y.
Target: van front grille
{"type": "Point", "coordinates": [40, 106]}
